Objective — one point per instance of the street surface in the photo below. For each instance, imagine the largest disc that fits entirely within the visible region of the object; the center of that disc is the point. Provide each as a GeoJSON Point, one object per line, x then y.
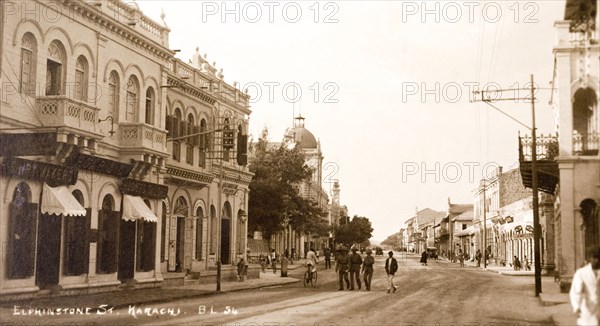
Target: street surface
{"type": "Point", "coordinates": [441, 293]}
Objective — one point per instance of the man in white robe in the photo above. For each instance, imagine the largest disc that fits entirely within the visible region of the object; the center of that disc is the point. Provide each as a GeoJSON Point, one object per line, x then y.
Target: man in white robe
{"type": "Point", "coordinates": [585, 291]}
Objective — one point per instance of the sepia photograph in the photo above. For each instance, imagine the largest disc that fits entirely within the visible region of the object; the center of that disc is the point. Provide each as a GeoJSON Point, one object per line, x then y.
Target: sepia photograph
{"type": "Point", "coordinates": [300, 162]}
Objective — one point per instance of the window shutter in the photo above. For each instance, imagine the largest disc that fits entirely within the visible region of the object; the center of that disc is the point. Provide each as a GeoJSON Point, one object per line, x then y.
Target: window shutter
{"type": "Point", "coordinates": [183, 130]}
{"type": "Point", "coordinates": [195, 139]}
{"type": "Point", "coordinates": [175, 122]}
{"type": "Point", "coordinates": [169, 126]}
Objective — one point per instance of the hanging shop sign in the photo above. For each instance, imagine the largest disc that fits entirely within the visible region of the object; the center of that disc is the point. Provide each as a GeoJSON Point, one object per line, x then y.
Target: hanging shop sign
{"type": "Point", "coordinates": [52, 174]}
{"type": "Point", "coordinates": [143, 189]}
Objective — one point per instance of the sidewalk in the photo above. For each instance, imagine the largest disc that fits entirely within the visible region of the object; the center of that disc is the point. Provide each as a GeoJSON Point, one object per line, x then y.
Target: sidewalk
{"type": "Point", "coordinates": [126, 297]}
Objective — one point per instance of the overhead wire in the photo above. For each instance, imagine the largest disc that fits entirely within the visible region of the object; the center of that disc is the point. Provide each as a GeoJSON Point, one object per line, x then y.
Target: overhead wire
{"type": "Point", "coordinates": [24, 98]}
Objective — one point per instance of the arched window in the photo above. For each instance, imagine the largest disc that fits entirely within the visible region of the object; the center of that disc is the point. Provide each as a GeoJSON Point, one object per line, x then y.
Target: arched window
{"type": "Point", "coordinates": [176, 133]}
{"type": "Point", "coordinates": [28, 60]}
{"type": "Point", "coordinates": [149, 106]}
{"type": "Point", "coordinates": [132, 99]}
{"type": "Point", "coordinates": [199, 226]}
{"type": "Point", "coordinates": [585, 122]}
{"type": "Point", "coordinates": [77, 245]}
{"type": "Point", "coordinates": [113, 94]}
{"type": "Point", "coordinates": [108, 237]}
{"type": "Point", "coordinates": [81, 79]}
{"type": "Point", "coordinates": [21, 234]}
{"type": "Point", "coordinates": [55, 69]}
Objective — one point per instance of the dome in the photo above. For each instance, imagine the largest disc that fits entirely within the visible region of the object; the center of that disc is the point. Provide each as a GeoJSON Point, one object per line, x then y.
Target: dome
{"type": "Point", "coordinates": [303, 138]}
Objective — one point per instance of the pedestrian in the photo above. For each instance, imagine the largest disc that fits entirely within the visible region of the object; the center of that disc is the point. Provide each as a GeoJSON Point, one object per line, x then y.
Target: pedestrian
{"type": "Point", "coordinates": [327, 258]}
{"type": "Point", "coordinates": [317, 255]}
{"type": "Point", "coordinates": [240, 270]}
{"type": "Point", "coordinates": [423, 257]}
{"type": "Point", "coordinates": [391, 266]}
{"type": "Point", "coordinates": [263, 262]}
{"type": "Point", "coordinates": [273, 259]}
{"type": "Point", "coordinates": [527, 266]}
{"type": "Point", "coordinates": [355, 262]}
{"type": "Point", "coordinates": [585, 290]}
{"type": "Point", "coordinates": [461, 258]}
{"type": "Point", "coordinates": [516, 263]}
{"type": "Point", "coordinates": [367, 269]}
{"type": "Point", "coordinates": [478, 256]}
{"type": "Point", "coordinates": [341, 267]}
{"type": "Point", "coordinates": [293, 256]}
{"type": "Point", "coordinates": [286, 253]}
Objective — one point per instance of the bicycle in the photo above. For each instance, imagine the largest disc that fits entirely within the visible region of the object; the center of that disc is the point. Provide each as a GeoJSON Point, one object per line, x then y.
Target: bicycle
{"type": "Point", "coordinates": [310, 277]}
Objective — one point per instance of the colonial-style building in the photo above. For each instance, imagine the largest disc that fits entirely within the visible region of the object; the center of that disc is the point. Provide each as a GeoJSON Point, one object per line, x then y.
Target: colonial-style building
{"type": "Point", "coordinates": [95, 119]}
{"type": "Point", "coordinates": [508, 210]}
{"type": "Point", "coordinates": [445, 236]}
{"type": "Point", "coordinates": [418, 226]}
{"type": "Point", "coordinates": [312, 189]}
{"type": "Point", "coordinates": [569, 164]}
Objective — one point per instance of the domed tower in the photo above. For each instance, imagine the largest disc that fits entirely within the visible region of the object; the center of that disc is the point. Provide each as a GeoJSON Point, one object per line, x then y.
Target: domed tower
{"type": "Point", "coordinates": [303, 139]}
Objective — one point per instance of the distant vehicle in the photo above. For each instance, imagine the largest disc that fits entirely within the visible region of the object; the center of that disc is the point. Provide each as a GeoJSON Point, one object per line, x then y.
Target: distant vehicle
{"type": "Point", "coordinates": [378, 251]}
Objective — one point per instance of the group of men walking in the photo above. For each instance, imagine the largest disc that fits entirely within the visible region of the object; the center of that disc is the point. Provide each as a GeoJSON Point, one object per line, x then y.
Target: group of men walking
{"type": "Point", "coordinates": [354, 265]}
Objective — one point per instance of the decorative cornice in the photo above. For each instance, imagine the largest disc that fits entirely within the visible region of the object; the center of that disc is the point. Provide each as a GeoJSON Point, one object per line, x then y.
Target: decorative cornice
{"type": "Point", "coordinates": [201, 177]}
{"type": "Point", "coordinates": [101, 19]}
{"type": "Point", "coordinates": [191, 90]}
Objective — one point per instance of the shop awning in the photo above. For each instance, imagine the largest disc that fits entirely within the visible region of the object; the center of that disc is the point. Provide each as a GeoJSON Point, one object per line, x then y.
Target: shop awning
{"type": "Point", "coordinates": [59, 201]}
{"type": "Point", "coordinates": [134, 209]}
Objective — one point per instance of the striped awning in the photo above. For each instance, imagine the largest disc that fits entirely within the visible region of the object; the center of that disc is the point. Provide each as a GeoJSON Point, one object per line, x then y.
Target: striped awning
{"type": "Point", "coordinates": [134, 209]}
{"type": "Point", "coordinates": [60, 201]}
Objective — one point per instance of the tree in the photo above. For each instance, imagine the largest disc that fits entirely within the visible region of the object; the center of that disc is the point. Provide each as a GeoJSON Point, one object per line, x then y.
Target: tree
{"type": "Point", "coordinates": [392, 240]}
{"type": "Point", "coordinates": [274, 194]}
{"type": "Point", "coordinates": [358, 230]}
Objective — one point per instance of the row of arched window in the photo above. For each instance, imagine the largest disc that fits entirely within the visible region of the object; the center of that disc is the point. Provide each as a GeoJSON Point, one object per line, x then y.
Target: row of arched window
{"type": "Point", "coordinates": [56, 73]}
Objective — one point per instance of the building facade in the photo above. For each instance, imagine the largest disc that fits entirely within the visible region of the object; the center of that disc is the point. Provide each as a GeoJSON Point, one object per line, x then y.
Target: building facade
{"type": "Point", "coordinates": [575, 99]}
{"type": "Point", "coordinates": [92, 190]}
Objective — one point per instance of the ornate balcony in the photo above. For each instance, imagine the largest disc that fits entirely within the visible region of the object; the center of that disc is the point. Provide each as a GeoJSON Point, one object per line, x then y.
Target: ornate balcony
{"type": "Point", "coordinates": [60, 111]}
{"type": "Point", "coordinates": [546, 151]}
{"type": "Point", "coordinates": [586, 145]}
{"type": "Point", "coordinates": [142, 137]}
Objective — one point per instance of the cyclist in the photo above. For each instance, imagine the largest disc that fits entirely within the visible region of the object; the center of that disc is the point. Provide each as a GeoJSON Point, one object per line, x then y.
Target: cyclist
{"type": "Point", "coordinates": [311, 262]}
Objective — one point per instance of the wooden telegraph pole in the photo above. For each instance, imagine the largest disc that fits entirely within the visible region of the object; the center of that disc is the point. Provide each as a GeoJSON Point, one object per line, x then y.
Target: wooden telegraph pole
{"type": "Point", "coordinates": [537, 230]}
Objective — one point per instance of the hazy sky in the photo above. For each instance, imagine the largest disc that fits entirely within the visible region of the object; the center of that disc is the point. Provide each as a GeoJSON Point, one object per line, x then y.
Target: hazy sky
{"type": "Point", "coordinates": [384, 85]}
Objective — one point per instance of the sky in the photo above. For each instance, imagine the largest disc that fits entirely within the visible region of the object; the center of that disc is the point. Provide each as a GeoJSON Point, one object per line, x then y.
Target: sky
{"type": "Point", "coordinates": [386, 87]}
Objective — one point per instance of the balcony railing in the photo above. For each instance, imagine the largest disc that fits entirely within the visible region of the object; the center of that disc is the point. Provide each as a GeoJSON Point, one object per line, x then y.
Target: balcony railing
{"type": "Point", "coordinates": [547, 167]}
{"type": "Point", "coordinates": [546, 147]}
{"type": "Point", "coordinates": [143, 136]}
{"type": "Point", "coordinates": [60, 111]}
{"type": "Point", "coordinates": [586, 144]}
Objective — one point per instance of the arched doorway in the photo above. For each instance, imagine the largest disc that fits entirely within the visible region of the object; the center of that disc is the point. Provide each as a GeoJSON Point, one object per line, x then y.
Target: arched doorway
{"type": "Point", "coordinates": [181, 213]}
{"type": "Point", "coordinates": [225, 233]}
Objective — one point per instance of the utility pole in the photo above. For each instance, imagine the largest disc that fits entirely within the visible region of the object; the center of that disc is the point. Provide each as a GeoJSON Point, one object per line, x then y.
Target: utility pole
{"type": "Point", "coordinates": [484, 225]}
{"type": "Point", "coordinates": [534, 178]}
